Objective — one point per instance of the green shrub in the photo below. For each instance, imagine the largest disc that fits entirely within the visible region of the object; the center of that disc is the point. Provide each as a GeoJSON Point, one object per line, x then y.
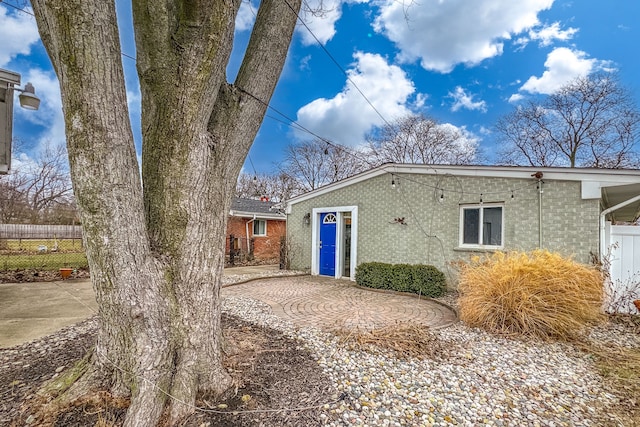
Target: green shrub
{"type": "Point", "coordinates": [532, 294]}
{"type": "Point", "coordinates": [420, 279]}
{"type": "Point", "coordinates": [428, 281]}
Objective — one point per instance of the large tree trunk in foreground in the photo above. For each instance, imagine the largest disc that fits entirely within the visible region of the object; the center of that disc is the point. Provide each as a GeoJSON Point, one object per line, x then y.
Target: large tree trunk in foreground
{"type": "Point", "coordinates": [156, 256]}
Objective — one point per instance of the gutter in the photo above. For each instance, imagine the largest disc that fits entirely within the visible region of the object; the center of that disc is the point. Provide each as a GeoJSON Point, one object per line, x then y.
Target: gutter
{"type": "Point", "coordinates": [603, 214]}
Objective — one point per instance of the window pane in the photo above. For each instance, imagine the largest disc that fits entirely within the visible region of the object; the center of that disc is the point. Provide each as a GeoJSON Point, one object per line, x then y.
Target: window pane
{"type": "Point", "coordinates": [492, 226]}
{"type": "Point", "coordinates": [471, 232]}
{"type": "Point", "coordinates": [259, 227]}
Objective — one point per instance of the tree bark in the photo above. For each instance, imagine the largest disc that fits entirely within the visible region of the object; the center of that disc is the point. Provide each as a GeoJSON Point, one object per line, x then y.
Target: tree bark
{"type": "Point", "coordinates": [156, 256]}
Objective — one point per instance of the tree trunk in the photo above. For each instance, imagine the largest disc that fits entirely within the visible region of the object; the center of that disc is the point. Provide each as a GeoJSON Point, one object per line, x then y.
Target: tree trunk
{"type": "Point", "coordinates": [156, 256]}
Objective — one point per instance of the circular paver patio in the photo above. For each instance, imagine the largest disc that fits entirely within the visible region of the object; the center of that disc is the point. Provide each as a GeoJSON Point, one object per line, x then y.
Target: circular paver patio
{"type": "Point", "coordinates": [339, 304]}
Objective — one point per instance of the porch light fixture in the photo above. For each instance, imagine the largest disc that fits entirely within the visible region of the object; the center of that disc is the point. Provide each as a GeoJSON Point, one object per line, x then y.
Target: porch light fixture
{"type": "Point", "coordinates": [306, 219]}
{"type": "Point", "coordinates": [28, 98]}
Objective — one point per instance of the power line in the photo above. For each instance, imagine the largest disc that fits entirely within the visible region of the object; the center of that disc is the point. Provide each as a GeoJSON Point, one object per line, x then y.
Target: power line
{"type": "Point", "coordinates": [128, 56]}
{"type": "Point", "coordinates": [17, 8]}
{"type": "Point", "coordinates": [297, 125]}
{"type": "Point", "coordinates": [31, 14]}
{"type": "Point", "coordinates": [336, 62]}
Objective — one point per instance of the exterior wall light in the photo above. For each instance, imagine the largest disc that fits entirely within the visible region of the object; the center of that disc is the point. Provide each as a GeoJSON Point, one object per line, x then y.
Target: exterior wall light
{"type": "Point", "coordinates": [28, 98]}
{"type": "Point", "coordinates": [307, 218]}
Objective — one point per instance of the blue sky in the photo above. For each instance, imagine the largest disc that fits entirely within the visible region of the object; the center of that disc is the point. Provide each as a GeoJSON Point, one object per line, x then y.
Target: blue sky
{"type": "Point", "coordinates": [464, 63]}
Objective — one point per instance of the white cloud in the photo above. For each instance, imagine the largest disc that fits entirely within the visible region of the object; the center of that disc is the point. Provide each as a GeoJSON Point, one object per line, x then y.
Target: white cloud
{"type": "Point", "coordinates": [516, 97]}
{"type": "Point", "coordinates": [347, 117]}
{"type": "Point", "coordinates": [18, 31]}
{"type": "Point", "coordinates": [468, 141]}
{"type": "Point", "coordinates": [547, 35]}
{"type": "Point", "coordinates": [134, 98]}
{"type": "Point", "coordinates": [562, 65]}
{"type": "Point", "coordinates": [420, 101]}
{"type": "Point", "coordinates": [322, 23]}
{"type": "Point", "coordinates": [461, 99]}
{"type": "Point", "coordinates": [321, 17]}
{"type": "Point", "coordinates": [49, 115]}
{"type": "Point", "coordinates": [246, 15]}
{"type": "Point", "coordinates": [442, 34]}
{"type": "Point", "coordinates": [22, 162]}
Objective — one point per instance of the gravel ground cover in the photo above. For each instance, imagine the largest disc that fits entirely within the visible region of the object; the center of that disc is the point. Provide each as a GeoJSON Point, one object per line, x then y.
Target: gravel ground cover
{"type": "Point", "coordinates": [480, 379]}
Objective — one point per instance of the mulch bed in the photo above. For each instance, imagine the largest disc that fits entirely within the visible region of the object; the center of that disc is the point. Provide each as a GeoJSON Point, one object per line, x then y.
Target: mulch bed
{"type": "Point", "coordinates": [269, 368]}
{"type": "Point", "coordinates": [34, 275]}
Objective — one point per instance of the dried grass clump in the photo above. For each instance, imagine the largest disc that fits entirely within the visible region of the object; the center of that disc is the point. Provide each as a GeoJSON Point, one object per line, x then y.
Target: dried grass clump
{"type": "Point", "coordinates": [403, 339]}
{"type": "Point", "coordinates": [539, 294]}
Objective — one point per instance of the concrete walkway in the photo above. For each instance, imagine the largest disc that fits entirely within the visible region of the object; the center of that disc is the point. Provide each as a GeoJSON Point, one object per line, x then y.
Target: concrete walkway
{"type": "Point", "coordinates": [30, 311]}
{"type": "Point", "coordinates": [36, 309]}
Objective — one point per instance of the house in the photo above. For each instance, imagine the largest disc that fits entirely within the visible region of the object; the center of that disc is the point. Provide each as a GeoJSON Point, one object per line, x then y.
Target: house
{"type": "Point", "coordinates": [254, 229]}
{"type": "Point", "coordinates": [399, 213]}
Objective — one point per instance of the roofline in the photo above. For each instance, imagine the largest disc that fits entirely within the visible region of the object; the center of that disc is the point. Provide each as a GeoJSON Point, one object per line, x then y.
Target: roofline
{"type": "Point", "coordinates": [10, 77]}
{"type": "Point", "coordinates": [245, 214]}
{"type": "Point", "coordinates": [607, 177]}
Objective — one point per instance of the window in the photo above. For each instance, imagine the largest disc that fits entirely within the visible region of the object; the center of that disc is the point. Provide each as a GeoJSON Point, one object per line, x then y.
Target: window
{"type": "Point", "coordinates": [329, 219]}
{"type": "Point", "coordinates": [259, 227]}
{"type": "Point", "coordinates": [481, 225]}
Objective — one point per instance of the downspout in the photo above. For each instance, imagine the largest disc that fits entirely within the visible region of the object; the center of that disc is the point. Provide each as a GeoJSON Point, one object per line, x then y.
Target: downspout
{"type": "Point", "coordinates": [540, 191]}
{"type": "Point", "coordinates": [604, 213]}
{"type": "Point", "coordinates": [246, 226]}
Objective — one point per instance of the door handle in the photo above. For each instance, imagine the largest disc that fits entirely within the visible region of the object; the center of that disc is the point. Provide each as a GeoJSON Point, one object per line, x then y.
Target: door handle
{"type": "Point", "coordinates": [320, 244]}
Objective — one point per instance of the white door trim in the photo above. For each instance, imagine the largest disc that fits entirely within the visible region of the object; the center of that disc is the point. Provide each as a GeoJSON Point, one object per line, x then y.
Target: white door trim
{"type": "Point", "coordinates": [315, 239]}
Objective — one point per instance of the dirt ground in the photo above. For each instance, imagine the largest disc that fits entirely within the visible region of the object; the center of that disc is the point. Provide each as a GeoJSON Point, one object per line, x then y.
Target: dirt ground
{"type": "Point", "coordinates": [271, 373]}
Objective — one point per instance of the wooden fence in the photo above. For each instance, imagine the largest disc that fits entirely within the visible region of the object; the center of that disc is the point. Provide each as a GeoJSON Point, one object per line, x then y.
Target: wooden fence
{"type": "Point", "coordinates": [38, 231]}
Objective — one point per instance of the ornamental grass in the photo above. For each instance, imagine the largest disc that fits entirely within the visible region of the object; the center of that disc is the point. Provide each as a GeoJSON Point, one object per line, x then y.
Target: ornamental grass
{"type": "Point", "coordinates": [539, 294]}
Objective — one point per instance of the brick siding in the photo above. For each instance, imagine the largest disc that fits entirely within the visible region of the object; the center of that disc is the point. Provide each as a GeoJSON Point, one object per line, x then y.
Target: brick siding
{"type": "Point", "coordinates": [431, 236]}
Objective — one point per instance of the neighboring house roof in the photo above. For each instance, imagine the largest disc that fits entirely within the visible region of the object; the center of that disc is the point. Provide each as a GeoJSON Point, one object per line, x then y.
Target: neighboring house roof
{"type": "Point", "coordinates": [612, 186]}
{"type": "Point", "coordinates": [250, 208]}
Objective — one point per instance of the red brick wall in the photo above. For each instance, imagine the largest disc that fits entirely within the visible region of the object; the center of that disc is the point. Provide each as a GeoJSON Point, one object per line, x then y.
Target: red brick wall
{"type": "Point", "coordinates": [265, 247]}
{"type": "Point", "coordinates": [269, 246]}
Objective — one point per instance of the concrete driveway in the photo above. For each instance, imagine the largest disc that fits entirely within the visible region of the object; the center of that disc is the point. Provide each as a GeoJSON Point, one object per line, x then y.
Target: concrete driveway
{"type": "Point", "coordinates": [33, 310]}
{"type": "Point", "coordinates": [29, 311]}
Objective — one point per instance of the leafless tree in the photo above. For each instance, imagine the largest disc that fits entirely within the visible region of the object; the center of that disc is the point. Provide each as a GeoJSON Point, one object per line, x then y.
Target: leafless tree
{"type": "Point", "coordinates": [420, 139]}
{"type": "Point", "coordinates": [314, 163]}
{"type": "Point", "coordinates": [47, 183]}
{"type": "Point", "coordinates": [14, 207]}
{"type": "Point", "coordinates": [277, 187]}
{"type": "Point", "coordinates": [36, 188]}
{"type": "Point", "coordinates": [590, 122]}
{"type": "Point", "coordinates": [156, 247]}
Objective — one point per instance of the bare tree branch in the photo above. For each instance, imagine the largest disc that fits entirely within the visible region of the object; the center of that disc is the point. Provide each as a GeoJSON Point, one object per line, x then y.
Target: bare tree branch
{"type": "Point", "coordinates": [590, 122]}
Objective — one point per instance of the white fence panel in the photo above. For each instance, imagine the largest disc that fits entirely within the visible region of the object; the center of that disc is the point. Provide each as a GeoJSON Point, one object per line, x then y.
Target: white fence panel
{"type": "Point", "coordinates": [624, 259]}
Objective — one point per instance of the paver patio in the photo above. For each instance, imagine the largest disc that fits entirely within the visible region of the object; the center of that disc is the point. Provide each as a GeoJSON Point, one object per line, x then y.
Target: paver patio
{"type": "Point", "coordinates": [336, 304]}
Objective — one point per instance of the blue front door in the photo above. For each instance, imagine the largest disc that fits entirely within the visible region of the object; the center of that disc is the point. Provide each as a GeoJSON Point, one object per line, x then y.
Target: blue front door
{"type": "Point", "coordinates": [328, 244]}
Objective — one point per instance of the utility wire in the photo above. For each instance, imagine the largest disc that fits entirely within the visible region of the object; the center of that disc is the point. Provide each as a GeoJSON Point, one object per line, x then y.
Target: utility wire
{"type": "Point", "coordinates": [31, 14]}
{"type": "Point", "coordinates": [336, 62]}
{"type": "Point", "coordinates": [17, 8]}
{"type": "Point", "coordinates": [294, 124]}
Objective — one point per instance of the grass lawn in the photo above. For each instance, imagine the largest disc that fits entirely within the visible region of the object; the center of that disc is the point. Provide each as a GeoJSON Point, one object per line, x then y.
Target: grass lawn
{"type": "Point", "coordinates": [44, 261]}
{"type": "Point", "coordinates": [35, 244]}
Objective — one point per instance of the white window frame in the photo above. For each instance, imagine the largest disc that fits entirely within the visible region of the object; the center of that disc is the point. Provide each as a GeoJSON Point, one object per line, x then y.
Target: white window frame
{"type": "Point", "coordinates": [481, 207]}
{"type": "Point", "coordinates": [256, 222]}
